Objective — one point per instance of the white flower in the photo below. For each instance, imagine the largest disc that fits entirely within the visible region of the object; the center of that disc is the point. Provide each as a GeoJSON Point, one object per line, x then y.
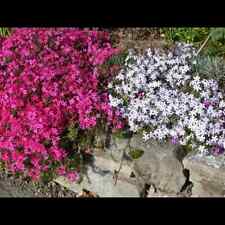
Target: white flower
{"type": "Point", "coordinates": [202, 150]}
{"type": "Point", "coordinates": [154, 84]}
{"type": "Point", "coordinates": [145, 136]}
{"type": "Point", "coordinates": [222, 104]}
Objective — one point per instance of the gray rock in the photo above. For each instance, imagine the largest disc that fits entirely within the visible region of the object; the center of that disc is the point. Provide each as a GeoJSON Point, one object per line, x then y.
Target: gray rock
{"type": "Point", "coordinates": [158, 166]}
{"type": "Point", "coordinates": [207, 176]}
{"type": "Point", "coordinates": [99, 141]}
{"type": "Point", "coordinates": [100, 180]}
{"type": "Point", "coordinates": [117, 145]}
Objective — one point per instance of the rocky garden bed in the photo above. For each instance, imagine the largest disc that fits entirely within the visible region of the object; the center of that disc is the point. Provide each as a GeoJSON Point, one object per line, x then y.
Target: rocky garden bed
{"type": "Point", "coordinates": [123, 112]}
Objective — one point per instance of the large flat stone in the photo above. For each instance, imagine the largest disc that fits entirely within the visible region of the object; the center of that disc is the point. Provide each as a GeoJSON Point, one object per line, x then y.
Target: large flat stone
{"type": "Point", "coordinates": [158, 166]}
{"type": "Point", "coordinates": [208, 178]}
{"type": "Point", "coordinates": [100, 180]}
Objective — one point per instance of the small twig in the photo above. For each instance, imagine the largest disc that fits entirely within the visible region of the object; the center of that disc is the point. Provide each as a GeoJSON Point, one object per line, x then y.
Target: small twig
{"type": "Point", "coordinates": [116, 172]}
{"type": "Point", "coordinates": [203, 45]}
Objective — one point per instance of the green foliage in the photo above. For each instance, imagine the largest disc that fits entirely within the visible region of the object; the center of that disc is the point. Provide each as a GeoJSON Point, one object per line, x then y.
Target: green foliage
{"type": "Point", "coordinates": [188, 35]}
{"type": "Point", "coordinates": [123, 134]}
{"type": "Point", "coordinates": [47, 143]}
{"type": "Point", "coordinates": [117, 59]}
{"type": "Point", "coordinates": [47, 177]}
{"type": "Point", "coordinates": [14, 112]}
{"type": "Point", "coordinates": [76, 141]}
{"type": "Point", "coordinates": [216, 43]}
{"type": "Point", "coordinates": [72, 132]}
{"type": "Point", "coordinates": [217, 34]}
{"type": "Point", "coordinates": [65, 143]}
{"type": "Point", "coordinates": [85, 140]}
{"type": "Point", "coordinates": [214, 47]}
{"type": "Point", "coordinates": [187, 148]}
{"type": "Point", "coordinates": [136, 153]}
{"type": "Point", "coordinates": [2, 166]}
{"type": "Point", "coordinates": [4, 31]}
{"type": "Point", "coordinates": [75, 162]}
{"type": "Point", "coordinates": [73, 139]}
{"type": "Point", "coordinates": [209, 67]}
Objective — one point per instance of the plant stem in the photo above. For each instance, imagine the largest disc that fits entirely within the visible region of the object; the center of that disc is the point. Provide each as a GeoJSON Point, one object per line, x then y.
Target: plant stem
{"type": "Point", "coordinates": [117, 171]}
{"type": "Point", "coordinates": [203, 45]}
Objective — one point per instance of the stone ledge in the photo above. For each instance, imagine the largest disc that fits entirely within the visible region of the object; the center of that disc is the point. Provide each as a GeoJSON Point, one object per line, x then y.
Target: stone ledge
{"type": "Point", "coordinates": [208, 180]}
{"type": "Point", "coordinates": [101, 181]}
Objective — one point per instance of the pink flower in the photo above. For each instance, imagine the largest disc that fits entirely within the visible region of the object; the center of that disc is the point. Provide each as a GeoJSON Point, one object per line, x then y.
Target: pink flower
{"type": "Point", "coordinates": [19, 166]}
{"type": "Point", "coordinates": [61, 170]}
{"type": "Point", "coordinates": [119, 126]}
{"type": "Point", "coordinates": [72, 176]}
{"type": "Point", "coordinates": [52, 78]}
{"type": "Point", "coordinates": [5, 156]}
{"type": "Point", "coordinates": [57, 153]}
{"type": "Point", "coordinates": [35, 161]}
{"type": "Point", "coordinates": [34, 174]}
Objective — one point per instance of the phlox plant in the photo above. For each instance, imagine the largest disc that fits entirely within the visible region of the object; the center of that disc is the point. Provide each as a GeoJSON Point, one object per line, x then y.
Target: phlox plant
{"type": "Point", "coordinates": [49, 78]}
{"type": "Point", "coordinates": [162, 97]}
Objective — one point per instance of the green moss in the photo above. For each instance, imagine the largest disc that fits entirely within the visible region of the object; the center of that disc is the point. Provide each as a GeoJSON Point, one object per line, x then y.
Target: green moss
{"type": "Point", "coordinates": [136, 153]}
{"type": "Point", "coordinates": [72, 132]}
{"type": "Point", "coordinates": [187, 148]}
{"type": "Point", "coordinates": [122, 134]}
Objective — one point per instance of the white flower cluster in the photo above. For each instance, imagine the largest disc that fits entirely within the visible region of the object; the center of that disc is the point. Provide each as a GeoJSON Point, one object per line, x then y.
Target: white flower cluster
{"type": "Point", "coordinates": [160, 97]}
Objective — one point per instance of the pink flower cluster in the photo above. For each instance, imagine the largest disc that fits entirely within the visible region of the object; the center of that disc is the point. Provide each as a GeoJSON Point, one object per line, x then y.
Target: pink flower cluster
{"type": "Point", "coordinates": [48, 78]}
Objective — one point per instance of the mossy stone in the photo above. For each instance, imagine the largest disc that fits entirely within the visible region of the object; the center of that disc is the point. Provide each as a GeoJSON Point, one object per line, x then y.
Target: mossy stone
{"type": "Point", "coordinates": [136, 153]}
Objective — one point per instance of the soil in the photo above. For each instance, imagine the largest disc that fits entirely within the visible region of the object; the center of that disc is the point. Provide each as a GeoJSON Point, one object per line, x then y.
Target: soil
{"type": "Point", "coordinates": [11, 186]}
{"type": "Point", "coordinates": [137, 38]}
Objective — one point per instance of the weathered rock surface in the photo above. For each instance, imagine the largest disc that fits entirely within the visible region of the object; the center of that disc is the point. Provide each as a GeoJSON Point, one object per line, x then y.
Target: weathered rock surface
{"type": "Point", "coordinates": [158, 166]}
{"type": "Point", "coordinates": [117, 145]}
{"type": "Point", "coordinates": [100, 180]}
{"type": "Point", "coordinates": [208, 177]}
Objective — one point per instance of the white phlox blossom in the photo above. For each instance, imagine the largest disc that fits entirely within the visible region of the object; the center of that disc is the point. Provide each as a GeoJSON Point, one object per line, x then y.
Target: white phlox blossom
{"type": "Point", "coordinates": [158, 90]}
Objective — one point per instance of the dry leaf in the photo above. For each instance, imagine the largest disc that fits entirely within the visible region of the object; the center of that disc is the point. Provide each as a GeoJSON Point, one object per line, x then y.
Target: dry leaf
{"type": "Point", "coordinates": [87, 194]}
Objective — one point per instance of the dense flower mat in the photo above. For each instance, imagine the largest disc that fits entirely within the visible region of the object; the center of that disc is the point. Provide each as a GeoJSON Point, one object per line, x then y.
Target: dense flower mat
{"type": "Point", "coordinates": [49, 78]}
{"type": "Point", "coordinates": [165, 99]}
{"type": "Point", "coordinates": [53, 78]}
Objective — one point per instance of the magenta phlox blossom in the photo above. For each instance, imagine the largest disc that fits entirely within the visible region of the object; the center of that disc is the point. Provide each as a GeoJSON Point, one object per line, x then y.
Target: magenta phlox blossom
{"type": "Point", "coordinates": [49, 77]}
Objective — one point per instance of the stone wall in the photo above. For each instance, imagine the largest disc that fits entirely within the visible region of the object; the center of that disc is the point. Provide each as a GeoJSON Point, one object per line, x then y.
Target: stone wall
{"type": "Point", "coordinates": [158, 172]}
{"type": "Point", "coordinates": [207, 176]}
{"type": "Point", "coordinates": [158, 166]}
